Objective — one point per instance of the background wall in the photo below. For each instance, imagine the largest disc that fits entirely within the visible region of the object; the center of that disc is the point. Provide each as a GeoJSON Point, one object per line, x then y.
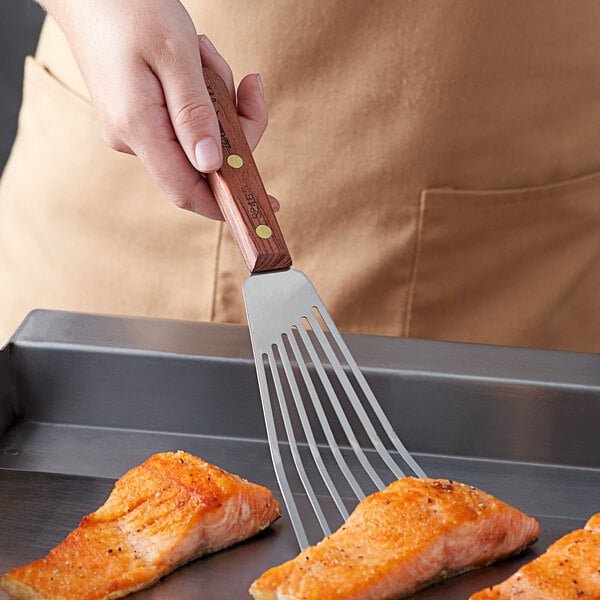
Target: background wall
{"type": "Point", "coordinates": [20, 23]}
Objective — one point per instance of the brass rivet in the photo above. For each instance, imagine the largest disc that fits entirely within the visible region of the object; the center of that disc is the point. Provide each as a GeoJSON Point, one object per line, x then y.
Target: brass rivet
{"type": "Point", "coordinates": [235, 161]}
{"type": "Point", "coordinates": [264, 232]}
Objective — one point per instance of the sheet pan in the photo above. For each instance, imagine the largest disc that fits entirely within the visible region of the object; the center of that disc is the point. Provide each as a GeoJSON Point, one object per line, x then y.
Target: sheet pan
{"type": "Point", "coordinates": [83, 398]}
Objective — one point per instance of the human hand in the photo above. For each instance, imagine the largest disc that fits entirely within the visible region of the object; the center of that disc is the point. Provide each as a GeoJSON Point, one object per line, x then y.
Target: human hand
{"type": "Point", "coordinates": [142, 63]}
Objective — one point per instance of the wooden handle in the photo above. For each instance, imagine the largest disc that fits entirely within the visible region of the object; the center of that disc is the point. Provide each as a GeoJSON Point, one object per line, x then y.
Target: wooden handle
{"type": "Point", "coordinates": [240, 192]}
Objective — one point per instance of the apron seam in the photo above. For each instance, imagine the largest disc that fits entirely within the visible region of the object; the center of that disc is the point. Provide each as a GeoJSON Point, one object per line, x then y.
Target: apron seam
{"type": "Point", "coordinates": [213, 308]}
{"type": "Point", "coordinates": [415, 264]}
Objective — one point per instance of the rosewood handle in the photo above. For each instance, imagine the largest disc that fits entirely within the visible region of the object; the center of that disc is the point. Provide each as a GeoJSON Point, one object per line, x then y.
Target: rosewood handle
{"type": "Point", "coordinates": [240, 192]}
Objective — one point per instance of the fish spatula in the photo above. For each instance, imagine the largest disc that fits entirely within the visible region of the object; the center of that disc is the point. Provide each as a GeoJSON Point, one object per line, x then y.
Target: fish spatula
{"type": "Point", "coordinates": [330, 441]}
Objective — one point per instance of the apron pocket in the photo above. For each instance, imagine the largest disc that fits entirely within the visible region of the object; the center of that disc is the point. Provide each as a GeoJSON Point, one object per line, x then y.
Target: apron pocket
{"type": "Point", "coordinates": [84, 228]}
{"type": "Point", "coordinates": [514, 267]}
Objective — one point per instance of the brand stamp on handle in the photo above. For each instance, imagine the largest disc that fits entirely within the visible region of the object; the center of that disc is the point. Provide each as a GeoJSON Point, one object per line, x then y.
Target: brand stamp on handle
{"type": "Point", "coordinates": [254, 208]}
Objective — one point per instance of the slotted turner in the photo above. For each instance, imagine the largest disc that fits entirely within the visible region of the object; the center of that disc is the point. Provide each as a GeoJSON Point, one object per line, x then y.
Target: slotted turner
{"type": "Point", "coordinates": [330, 441]}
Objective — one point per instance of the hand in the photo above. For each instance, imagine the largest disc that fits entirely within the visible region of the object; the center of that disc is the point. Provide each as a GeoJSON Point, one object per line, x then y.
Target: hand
{"type": "Point", "coordinates": [142, 63]}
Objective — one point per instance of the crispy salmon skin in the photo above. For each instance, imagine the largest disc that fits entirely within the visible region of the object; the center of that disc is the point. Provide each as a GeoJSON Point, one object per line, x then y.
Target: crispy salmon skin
{"type": "Point", "coordinates": [569, 569]}
{"type": "Point", "coordinates": [396, 541]}
{"type": "Point", "coordinates": [172, 508]}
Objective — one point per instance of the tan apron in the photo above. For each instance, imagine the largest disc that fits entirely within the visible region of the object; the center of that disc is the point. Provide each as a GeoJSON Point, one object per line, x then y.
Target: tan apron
{"type": "Point", "coordinates": [438, 165]}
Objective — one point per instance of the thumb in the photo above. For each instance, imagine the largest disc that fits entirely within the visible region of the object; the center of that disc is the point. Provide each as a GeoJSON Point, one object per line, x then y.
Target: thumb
{"type": "Point", "coordinates": [193, 117]}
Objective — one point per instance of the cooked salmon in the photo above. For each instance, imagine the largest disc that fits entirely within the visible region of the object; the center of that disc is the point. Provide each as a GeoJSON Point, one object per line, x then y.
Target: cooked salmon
{"type": "Point", "coordinates": [413, 533]}
{"type": "Point", "coordinates": [169, 510]}
{"type": "Point", "coordinates": [569, 569]}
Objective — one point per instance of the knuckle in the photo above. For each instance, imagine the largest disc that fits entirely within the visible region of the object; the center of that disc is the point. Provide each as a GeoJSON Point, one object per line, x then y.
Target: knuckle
{"type": "Point", "coordinates": [113, 140]}
{"type": "Point", "coordinates": [181, 201]}
{"type": "Point", "coordinates": [117, 128]}
{"type": "Point", "coordinates": [123, 125]}
{"type": "Point", "coordinates": [193, 112]}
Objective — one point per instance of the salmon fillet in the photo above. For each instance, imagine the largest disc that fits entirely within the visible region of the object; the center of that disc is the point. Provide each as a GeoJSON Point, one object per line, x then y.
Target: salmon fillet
{"type": "Point", "coordinates": [569, 569]}
{"type": "Point", "coordinates": [169, 510]}
{"type": "Point", "coordinates": [396, 541]}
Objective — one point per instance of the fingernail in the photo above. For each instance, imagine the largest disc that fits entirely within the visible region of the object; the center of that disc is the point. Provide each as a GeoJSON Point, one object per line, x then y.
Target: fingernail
{"type": "Point", "coordinates": [208, 44]}
{"type": "Point", "coordinates": [208, 155]}
{"type": "Point", "coordinates": [261, 89]}
{"type": "Point", "coordinates": [274, 203]}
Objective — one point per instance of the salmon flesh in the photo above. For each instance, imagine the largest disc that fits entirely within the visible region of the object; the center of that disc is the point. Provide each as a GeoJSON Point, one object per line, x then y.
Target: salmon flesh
{"type": "Point", "coordinates": [169, 510]}
{"type": "Point", "coordinates": [568, 570]}
{"type": "Point", "coordinates": [413, 533]}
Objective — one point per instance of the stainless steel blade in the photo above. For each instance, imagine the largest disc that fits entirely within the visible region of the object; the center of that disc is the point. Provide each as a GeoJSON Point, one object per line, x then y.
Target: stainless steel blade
{"type": "Point", "coordinates": [303, 364]}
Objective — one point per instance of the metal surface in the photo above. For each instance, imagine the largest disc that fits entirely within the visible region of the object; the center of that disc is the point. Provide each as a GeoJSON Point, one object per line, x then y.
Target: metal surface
{"type": "Point", "coordinates": [98, 395]}
{"type": "Point", "coordinates": [309, 381]}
